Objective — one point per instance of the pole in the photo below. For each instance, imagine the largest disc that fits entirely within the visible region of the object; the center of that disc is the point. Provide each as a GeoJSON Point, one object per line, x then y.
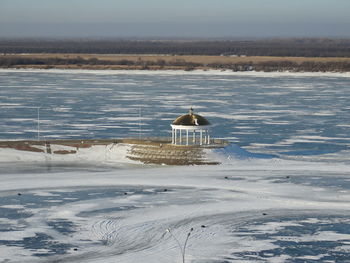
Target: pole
{"type": "Point", "coordinates": [182, 249]}
{"type": "Point", "coordinates": [38, 108]}
{"type": "Point", "coordinates": [139, 123]}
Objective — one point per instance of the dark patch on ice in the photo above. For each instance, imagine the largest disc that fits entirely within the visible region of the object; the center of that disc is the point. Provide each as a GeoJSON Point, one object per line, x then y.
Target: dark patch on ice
{"type": "Point", "coordinates": [35, 200]}
{"type": "Point", "coordinates": [315, 181]}
{"type": "Point", "coordinates": [313, 148]}
{"type": "Point", "coordinates": [14, 213]}
{"type": "Point", "coordinates": [62, 226]}
{"type": "Point", "coordinates": [233, 151]}
{"type": "Point", "coordinates": [235, 178]}
{"type": "Point", "coordinates": [37, 242]}
{"type": "Point", "coordinates": [287, 238]}
{"type": "Point", "coordinates": [106, 210]}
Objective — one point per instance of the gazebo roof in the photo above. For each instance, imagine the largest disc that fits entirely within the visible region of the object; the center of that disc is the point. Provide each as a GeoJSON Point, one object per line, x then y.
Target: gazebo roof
{"type": "Point", "coordinates": [191, 119]}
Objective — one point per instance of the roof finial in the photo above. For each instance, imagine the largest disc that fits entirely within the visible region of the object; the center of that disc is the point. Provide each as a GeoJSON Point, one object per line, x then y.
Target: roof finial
{"type": "Point", "coordinates": [191, 111]}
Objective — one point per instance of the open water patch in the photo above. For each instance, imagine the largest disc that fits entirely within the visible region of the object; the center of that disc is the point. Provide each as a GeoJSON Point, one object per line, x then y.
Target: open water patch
{"type": "Point", "coordinates": [334, 181]}
{"type": "Point", "coordinates": [233, 151]}
{"type": "Point", "coordinates": [46, 222]}
{"type": "Point", "coordinates": [296, 238]}
{"type": "Point", "coordinates": [42, 244]}
{"type": "Point", "coordinates": [63, 226]}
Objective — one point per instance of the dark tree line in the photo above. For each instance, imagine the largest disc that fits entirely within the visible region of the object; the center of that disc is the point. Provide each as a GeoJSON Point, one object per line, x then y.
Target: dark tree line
{"type": "Point", "coordinates": [282, 65]}
{"type": "Point", "coordinates": [262, 47]}
{"type": "Point", "coordinates": [10, 61]}
{"type": "Point", "coordinates": [273, 66]}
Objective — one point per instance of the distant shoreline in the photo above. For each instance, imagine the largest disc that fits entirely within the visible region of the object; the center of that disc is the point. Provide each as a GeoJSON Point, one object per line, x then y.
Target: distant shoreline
{"type": "Point", "coordinates": [174, 62]}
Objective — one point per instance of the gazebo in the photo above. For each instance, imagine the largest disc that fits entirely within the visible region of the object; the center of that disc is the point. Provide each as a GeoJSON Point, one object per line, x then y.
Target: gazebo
{"type": "Point", "coordinates": [190, 129]}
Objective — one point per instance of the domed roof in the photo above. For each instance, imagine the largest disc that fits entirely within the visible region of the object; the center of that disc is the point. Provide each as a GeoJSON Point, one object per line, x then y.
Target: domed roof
{"type": "Point", "coordinates": [191, 119]}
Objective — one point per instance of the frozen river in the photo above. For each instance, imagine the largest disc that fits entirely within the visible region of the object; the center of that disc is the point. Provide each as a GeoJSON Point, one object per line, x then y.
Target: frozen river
{"type": "Point", "coordinates": [293, 205]}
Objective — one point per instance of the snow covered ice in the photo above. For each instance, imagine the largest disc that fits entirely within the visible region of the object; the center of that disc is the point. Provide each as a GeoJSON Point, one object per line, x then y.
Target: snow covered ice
{"type": "Point", "coordinates": [281, 193]}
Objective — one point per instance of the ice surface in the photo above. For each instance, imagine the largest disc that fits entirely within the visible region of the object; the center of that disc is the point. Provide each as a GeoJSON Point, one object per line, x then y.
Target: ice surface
{"type": "Point", "coordinates": [281, 194]}
{"type": "Point", "coordinates": [122, 214]}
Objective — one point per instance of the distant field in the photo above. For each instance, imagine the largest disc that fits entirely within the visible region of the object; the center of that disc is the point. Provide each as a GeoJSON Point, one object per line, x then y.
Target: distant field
{"type": "Point", "coordinates": [202, 59]}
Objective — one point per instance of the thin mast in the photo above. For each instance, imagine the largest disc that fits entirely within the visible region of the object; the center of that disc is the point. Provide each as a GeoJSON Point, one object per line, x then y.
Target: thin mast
{"type": "Point", "coordinates": [38, 108]}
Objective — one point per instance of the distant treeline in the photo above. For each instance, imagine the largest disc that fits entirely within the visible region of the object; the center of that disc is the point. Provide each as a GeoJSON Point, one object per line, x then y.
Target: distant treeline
{"type": "Point", "coordinates": [273, 66]}
{"type": "Point", "coordinates": [12, 61]}
{"type": "Point", "coordinates": [267, 66]}
{"type": "Point", "coordinates": [262, 47]}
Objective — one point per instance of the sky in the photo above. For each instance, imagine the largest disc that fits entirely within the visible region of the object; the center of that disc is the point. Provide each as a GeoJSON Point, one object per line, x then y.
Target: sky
{"type": "Point", "coordinates": [174, 18]}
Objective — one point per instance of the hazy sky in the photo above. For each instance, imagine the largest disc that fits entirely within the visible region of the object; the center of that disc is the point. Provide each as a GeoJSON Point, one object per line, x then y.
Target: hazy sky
{"type": "Point", "coordinates": [174, 18]}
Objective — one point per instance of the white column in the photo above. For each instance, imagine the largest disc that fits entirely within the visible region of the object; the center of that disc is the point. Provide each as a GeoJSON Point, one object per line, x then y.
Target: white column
{"type": "Point", "coordinates": [194, 137]}
{"type": "Point", "coordinates": [201, 137]}
{"type": "Point", "coordinates": [172, 136]}
{"type": "Point", "coordinates": [180, 136]}
{"type": "Point", "coordinates": [186, 137]}
{"type": "Point", "coordinates": [208, 138]}
{"type": "Point", "coordinates": [175, 136]}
